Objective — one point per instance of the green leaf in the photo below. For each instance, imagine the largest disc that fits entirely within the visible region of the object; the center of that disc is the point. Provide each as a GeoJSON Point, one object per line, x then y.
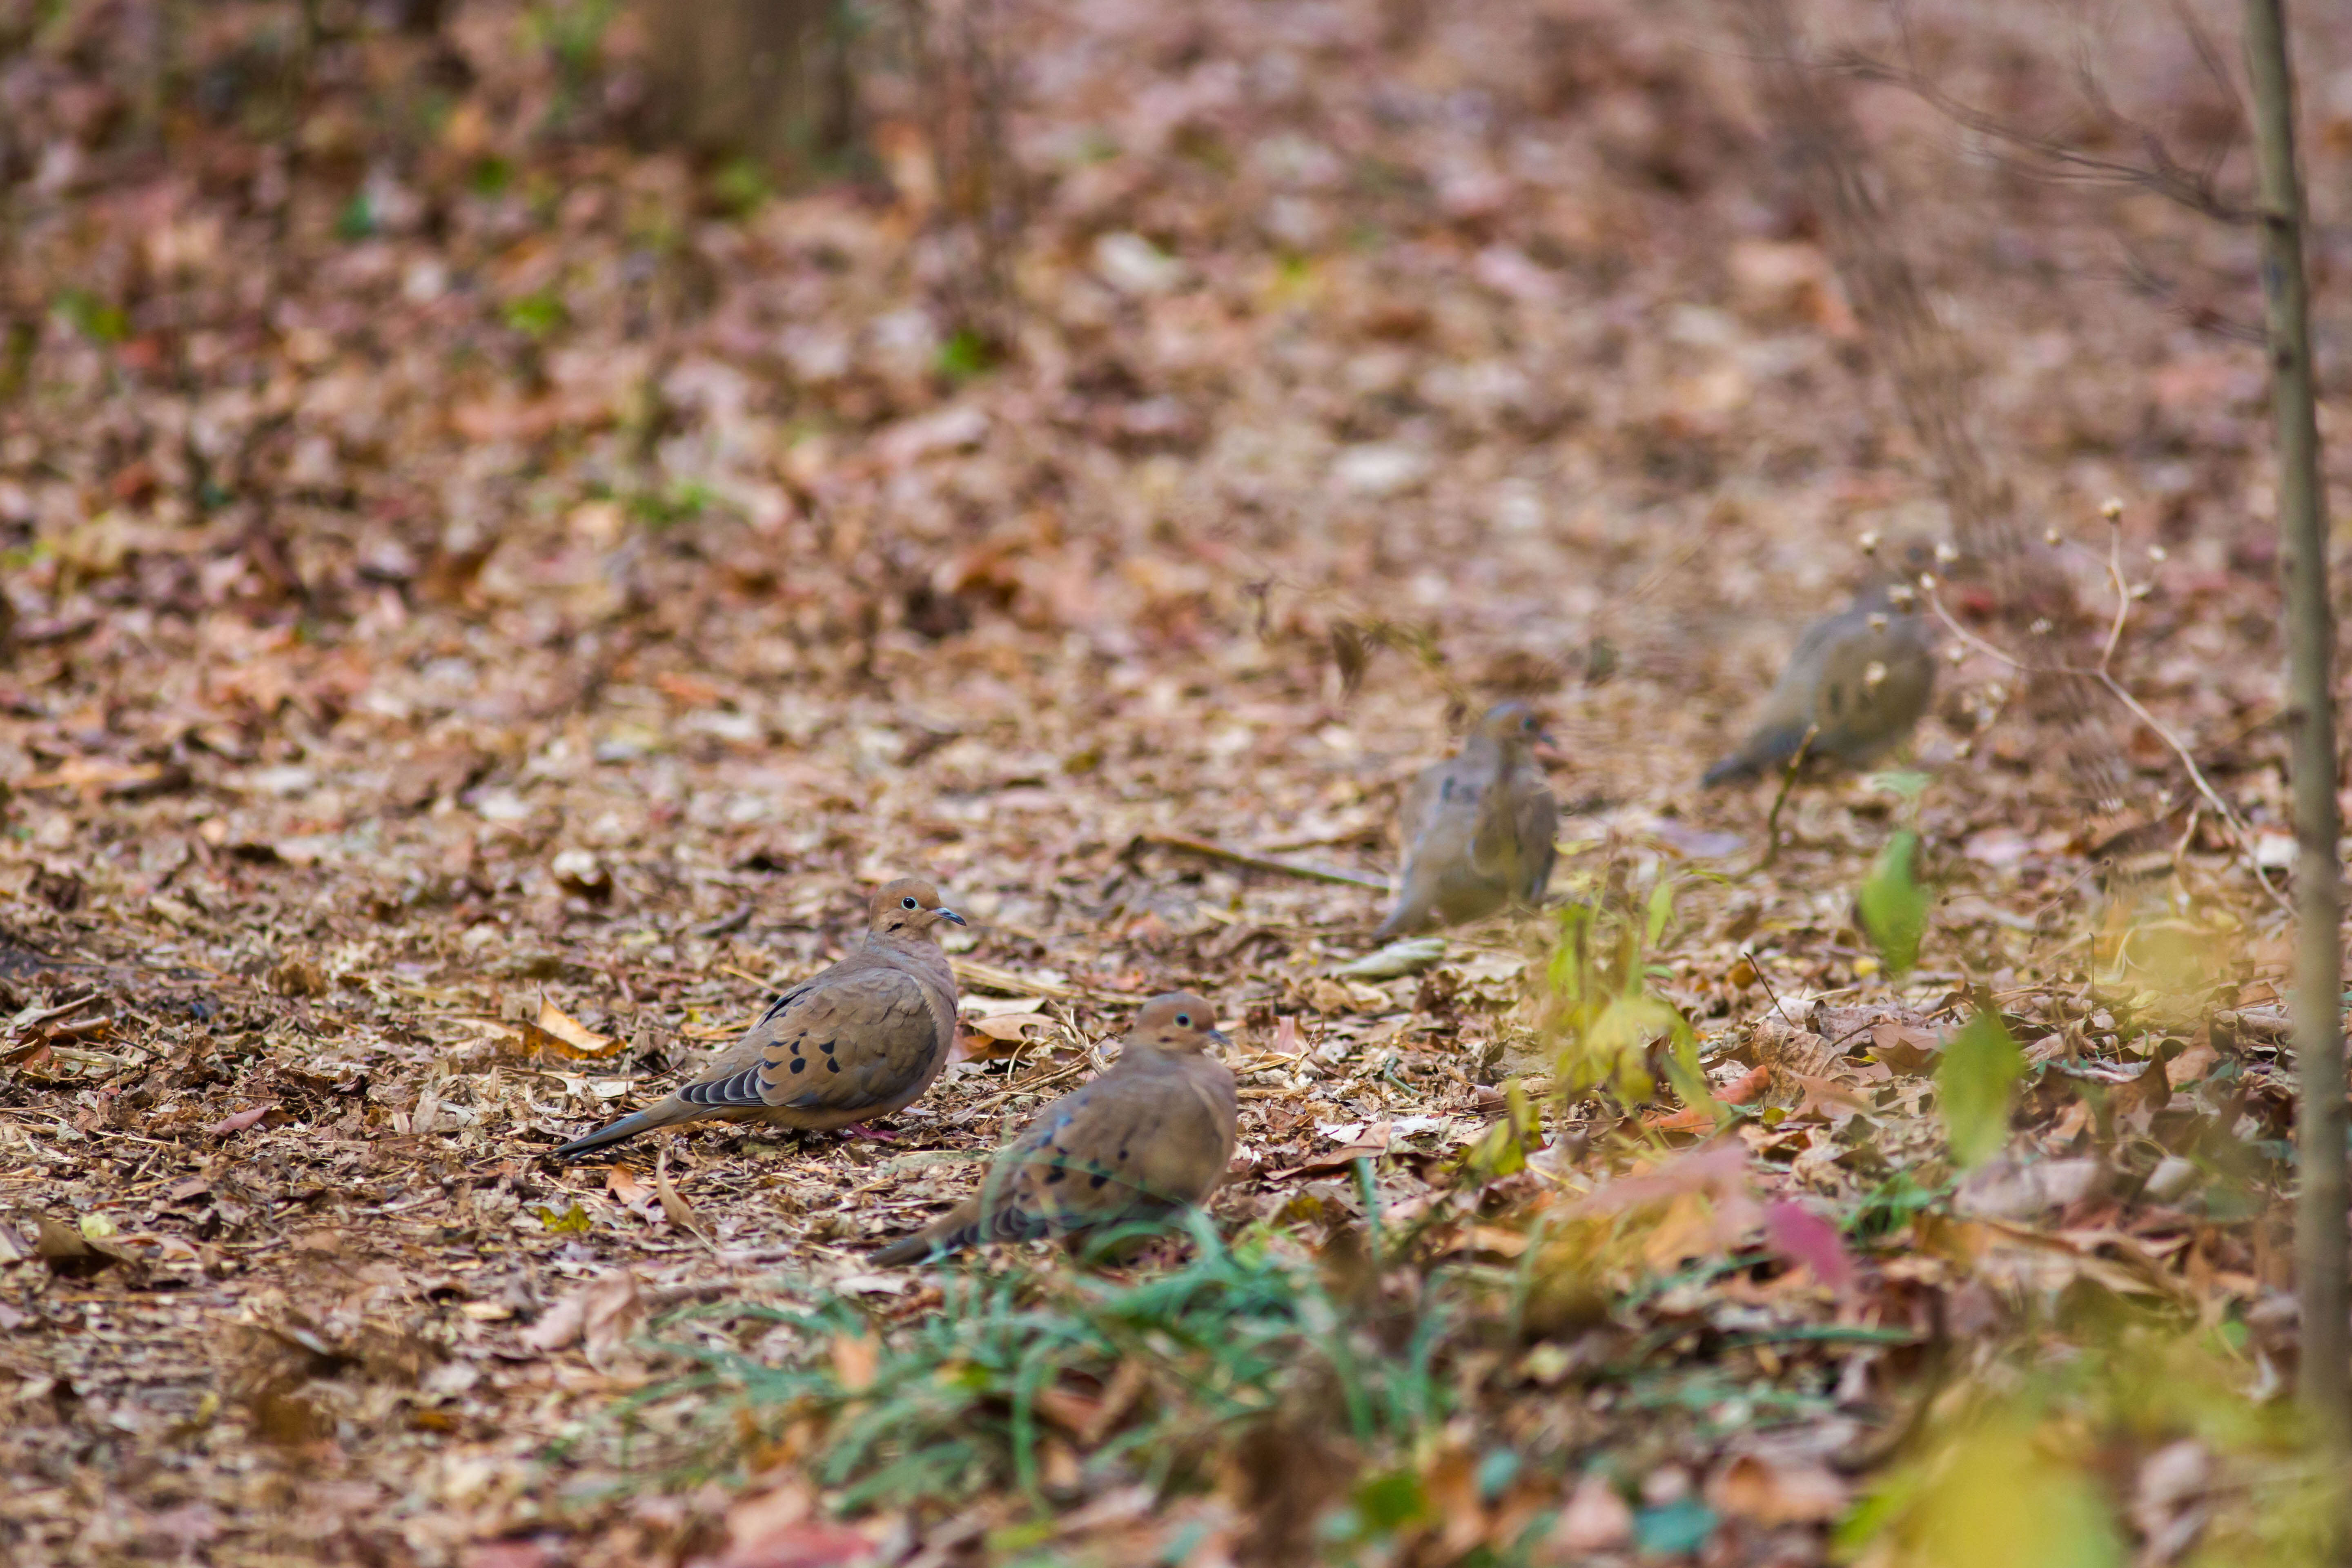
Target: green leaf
{"type": "Point", "coordinates": [1975, 1084]}
{"type": "Point", "coordinates": [1388, 1502]}
{"type": "Point", "coordinates": [1662, 909]}
{"type": "Point", "coordinates": [965, 355]}
{"type": "Point", "coordinates": [536, 316]}
{"type": "Point", "coordinates": [1503, 1151]}
{"type": "Point", "coordinates": [1892, 907]}
{"type": "Point", "coordinates": [739, 185]}
{"type": "Point", "coordinates": [357, 220]}
{"type": "Point", "coordinates": [1675, 1530]}
{"type": "Point", "coordinates": [93, 318]}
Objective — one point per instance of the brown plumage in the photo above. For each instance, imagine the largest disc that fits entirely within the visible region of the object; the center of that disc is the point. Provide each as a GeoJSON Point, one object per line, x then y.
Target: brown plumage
{"type": "Point", "coordinates": [1147, 1139]}
{"type": "Point", "coordinates": [1859, 681]}
{"type": "Point", "coordinates": [852, 1042]}
{"type": "Point", "coordinates": [1477, 829]}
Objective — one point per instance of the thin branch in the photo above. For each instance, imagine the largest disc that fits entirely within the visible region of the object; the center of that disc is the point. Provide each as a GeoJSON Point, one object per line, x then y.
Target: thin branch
{"type": "Point", "coordinates": [1209, 851]}
{"type": "Point", "coordinates": [2163, 173]}
{"type": "Point", "coordinates": [2145, 279]}
{"type": "Point", "coordinates": [2104, 674]}
{"type": "Point", "coordinates": [2209, 56]}
{"type": "Point", "coordinates": [1788, 783]}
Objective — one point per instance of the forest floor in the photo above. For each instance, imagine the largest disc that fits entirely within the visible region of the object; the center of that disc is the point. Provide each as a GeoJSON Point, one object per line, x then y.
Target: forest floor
{"type": "Point", "coordinates": [487, 600]}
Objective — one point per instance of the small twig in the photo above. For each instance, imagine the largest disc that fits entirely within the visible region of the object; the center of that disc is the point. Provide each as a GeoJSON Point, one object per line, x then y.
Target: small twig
{"type": "Point", "coordinates": [747, 974]}
{"type": "Point", "coordinates": [1766, 981]}
{"type": "Point", "coordinates": [1093, 1059]}
{"type": "Point", "coordinates": [2104, 675]}
{"type": "Point", "coordinates": [725, 924]}
{"type": "Point", "coordinates": [1209, 851]}
{"type": "Point", "coordinates": [1788, 783]}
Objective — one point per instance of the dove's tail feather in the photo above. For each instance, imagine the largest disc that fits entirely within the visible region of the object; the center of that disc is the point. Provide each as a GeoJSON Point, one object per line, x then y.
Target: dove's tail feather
{"type": "Point", "coordinates": [951, 1232]}
{"type": "Point", "coordinates": [1733, 769]}
{"type": "Point", "coordinates": [1768, 748]}
{"type": "Point", "coordinates": [1410, 914]}
{"type": "Point", "coordinates": [627, 1127]}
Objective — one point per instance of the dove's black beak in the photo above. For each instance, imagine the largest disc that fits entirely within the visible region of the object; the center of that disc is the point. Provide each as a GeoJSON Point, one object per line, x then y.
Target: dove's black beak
{"type": "Point", "coordinates": [948, 915]}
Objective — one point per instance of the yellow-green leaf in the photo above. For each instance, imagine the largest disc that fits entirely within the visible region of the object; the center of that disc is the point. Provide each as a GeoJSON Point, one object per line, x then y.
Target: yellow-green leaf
{"type": "Point", "coordinates": [1892, 907]}
{"type": "Point", "coordinates": [1975, 1083]}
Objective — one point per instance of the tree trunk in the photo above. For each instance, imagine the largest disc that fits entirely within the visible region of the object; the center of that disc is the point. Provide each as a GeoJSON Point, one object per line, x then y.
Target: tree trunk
{"type": "Point", "coordinates": [744, 77]}
{"type": "Point", "coordinates": [2325, 1379]}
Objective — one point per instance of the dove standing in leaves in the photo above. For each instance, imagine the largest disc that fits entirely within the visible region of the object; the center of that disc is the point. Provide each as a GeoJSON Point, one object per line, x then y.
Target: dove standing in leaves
{"type": "Point", "coordinates": [1857, 683]}
{"type": "Point", "coordinates": [856, 1041]}
{"type": "Point", "coordinates": [1151, 1136]}
{"type": "Point", "coordinates": [1477, 829]}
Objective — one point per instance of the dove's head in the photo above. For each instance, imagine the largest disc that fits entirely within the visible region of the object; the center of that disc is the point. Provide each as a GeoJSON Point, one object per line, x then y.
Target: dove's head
{"type": "Point", "coordinates": [1178, 1021]}
{"type": "Point", "coordinates": [1511, 724]}
{"type": "Point", "coordinates": [908, 907]}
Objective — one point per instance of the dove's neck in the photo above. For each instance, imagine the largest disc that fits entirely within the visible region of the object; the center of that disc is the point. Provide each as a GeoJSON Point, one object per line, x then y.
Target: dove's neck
{"type": "Point", "coordinates": [919, 955]}
{"type": "Point", "coordinates": [1489, 758]}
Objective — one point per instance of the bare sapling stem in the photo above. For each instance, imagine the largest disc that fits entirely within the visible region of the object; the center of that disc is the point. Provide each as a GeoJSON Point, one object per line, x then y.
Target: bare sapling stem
{"type": "Point", "coordinates": [2325, 1381]}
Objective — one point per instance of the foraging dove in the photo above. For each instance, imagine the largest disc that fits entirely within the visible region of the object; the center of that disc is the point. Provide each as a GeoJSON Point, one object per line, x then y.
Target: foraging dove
{"type": "Point", "coordinates": [858, 1040]}
{"type": "Point", "coordinates": [1151, 1136]}
{"type": "Point", "coordinates": [1858, 682]}
{"type": "Point", "coordinates": [1477, 829]}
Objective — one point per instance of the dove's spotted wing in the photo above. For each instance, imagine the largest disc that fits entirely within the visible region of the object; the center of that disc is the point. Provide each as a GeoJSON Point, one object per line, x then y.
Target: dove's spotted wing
{"type": "Point", "coordinates": [842, 1045]}
{"type": "Point", "coordinates": [1129, 1146]}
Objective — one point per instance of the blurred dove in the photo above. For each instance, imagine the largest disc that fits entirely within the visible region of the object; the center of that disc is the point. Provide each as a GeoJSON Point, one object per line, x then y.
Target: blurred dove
{"type": "Point", "coordinates": [858, 1040]}
{"type": "Point", "coordinates": [1477, 829]}
{"type": "Point", "coordinates": [1858, 681]}
{"type": "Point", "coordinates": [1149, 1137]}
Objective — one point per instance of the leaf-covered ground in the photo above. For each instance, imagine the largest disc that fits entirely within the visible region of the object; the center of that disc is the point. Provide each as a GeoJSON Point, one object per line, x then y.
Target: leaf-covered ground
{"type": "Point", "coordinates": [486, 599]}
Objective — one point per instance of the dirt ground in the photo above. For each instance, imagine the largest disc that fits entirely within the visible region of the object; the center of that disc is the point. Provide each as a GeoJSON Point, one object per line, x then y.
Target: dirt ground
{"type": "Point", "coordinates": [488, 599]}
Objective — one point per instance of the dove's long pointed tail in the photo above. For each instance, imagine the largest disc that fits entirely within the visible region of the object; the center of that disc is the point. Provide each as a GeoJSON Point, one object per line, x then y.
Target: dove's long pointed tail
{"type": "Point", "coordinates": [627, 1127]}
{"type": "Point", "coordinates": [1768, 748]}
{"type": "Point", "coordinates": [951, 1232]}
{"type": "Point", "coordinates": [1410, 914]}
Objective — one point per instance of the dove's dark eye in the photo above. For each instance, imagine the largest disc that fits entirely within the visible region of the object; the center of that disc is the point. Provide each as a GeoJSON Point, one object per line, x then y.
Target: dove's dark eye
{"type": "Point", "coordinates": [908, 902]}
{"type": "Point", "coordinates": [1184, 1020]}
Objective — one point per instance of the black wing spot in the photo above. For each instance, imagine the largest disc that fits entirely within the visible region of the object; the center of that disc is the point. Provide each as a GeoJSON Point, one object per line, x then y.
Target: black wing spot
{"type": "Point", "coordinates": [1099, 1178]}
{"type": "Point", "coordinates": [1055, 1175]}
{"type": "Point", "coordinates": [798, 1065]}
{"type": "Point", "coordinates": [832, 1065]}
{"type": "Point", "coordinates": [1122, 1156]}
{"type": "Point", "coordinates": [826, 1048]}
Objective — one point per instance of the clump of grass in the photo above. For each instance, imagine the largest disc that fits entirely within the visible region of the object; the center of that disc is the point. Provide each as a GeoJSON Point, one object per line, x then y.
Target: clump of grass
{"type": "Point", "coordinates": [956, 1403]}
{"type": "Point", "coordinates": [1608, 1027]}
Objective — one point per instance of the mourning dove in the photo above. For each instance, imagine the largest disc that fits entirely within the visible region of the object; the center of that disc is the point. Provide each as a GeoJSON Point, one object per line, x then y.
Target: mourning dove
{"type": "Point", "coordinates": [1477, 829]}
{"type": "Point", "coordinates": [854, 1041]}
{"type": "Point", "coordinates": [1151, 1136]}
{"type": "Point", "coordinates": [1858, 682]}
